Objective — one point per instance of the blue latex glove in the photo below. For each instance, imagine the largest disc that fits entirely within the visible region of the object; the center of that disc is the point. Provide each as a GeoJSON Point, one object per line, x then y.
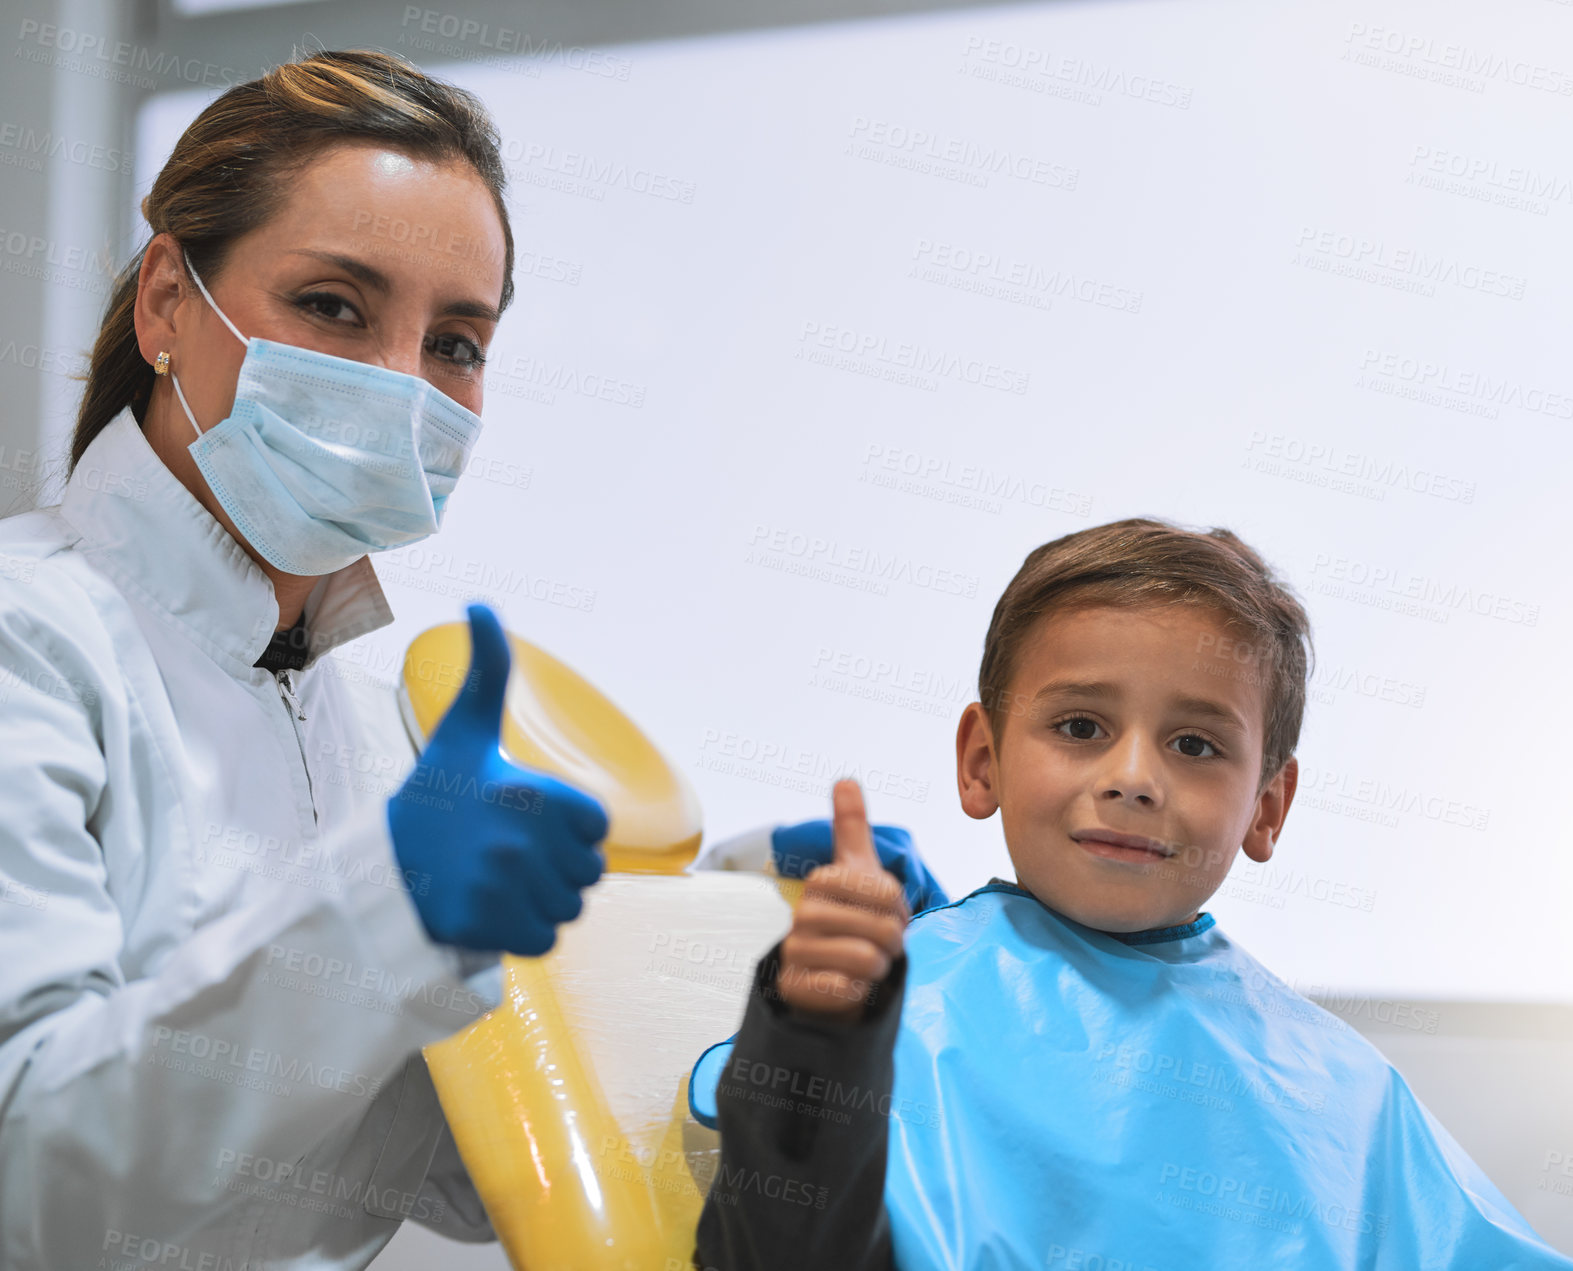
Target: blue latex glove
{"type": "Point", "coordinates": [799, 848]}
{"type": "Point", "coordinates": [494, 855]}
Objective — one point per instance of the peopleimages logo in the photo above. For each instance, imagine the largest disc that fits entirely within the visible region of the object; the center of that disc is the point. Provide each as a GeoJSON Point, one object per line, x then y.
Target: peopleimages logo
{"type": "Point", "coordinates": [773, 761]}
{"type": "Point", "coordinates": [1508, 178]}
{"type": "Point", "coordinates": [1043, 70]}
{"type": "Point", "coordinates": [992, 487]}
{"type": "Point", "coordinates": [596, 173]}
{"type": "Point", "coordinates": [1372, 258]}
{"type": "Point", "coordinates": [1352, 578]}
{"type": "Point", "coordinates": [909, 356]}
{"type": "Point", "coordinates": [1247, 1195]}
{"type": "Point", "coordinates": [1383, 472]}
{"type": "Point", "coordinates": [770, 546]}
{"type": "Point", "coordinates": [1027, 277]}
{"type": "Point", "coordinates": [1440, 376]}
{"type": "Point", "coordinates": [1482, 64]}
{"type": "Point", "coordinates": [66, 48]}
{"type": "Point", "coordinates": [1393, 797]}
{"type": "Point", "coordinates": [503, 47]}
{"type": "Point", "coordinates": [35, 145]}
{"type": "Point", "coordinates": [979, 160]}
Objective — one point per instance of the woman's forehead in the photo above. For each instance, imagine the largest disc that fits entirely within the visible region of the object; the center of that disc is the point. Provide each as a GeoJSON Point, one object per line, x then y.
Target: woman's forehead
{"type": "Point", "coordinates": [412, 215]}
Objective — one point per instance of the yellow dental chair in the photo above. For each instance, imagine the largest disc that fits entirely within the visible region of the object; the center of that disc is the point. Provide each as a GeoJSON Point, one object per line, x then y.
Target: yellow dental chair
{"type": "Point", "coordinates": [569, 1103]}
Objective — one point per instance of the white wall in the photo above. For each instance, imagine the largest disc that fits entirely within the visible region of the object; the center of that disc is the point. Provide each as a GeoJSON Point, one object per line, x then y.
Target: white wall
{"type": "Point", "coordinates": [1239, 301]}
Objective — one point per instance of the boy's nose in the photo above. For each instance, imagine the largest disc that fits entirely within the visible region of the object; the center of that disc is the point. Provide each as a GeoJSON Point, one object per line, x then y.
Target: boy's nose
{"type": "Point", "coordinates": [1131, 776]}
{"type": "Point", "coordinates": [1129, 792]}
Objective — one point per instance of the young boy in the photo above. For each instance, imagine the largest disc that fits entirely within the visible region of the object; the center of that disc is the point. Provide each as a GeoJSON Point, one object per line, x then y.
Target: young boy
{"type": "Point", "coordinates": [1080, 1071]}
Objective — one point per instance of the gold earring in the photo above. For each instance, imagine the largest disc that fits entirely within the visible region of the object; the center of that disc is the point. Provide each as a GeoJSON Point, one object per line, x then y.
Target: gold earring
{"type": "Point", "coordinates": [161, 364]}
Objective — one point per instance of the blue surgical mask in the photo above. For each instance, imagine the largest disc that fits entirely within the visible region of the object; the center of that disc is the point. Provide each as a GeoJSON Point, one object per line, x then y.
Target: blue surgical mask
{"type": "Point", "coordinates": [323, 459]}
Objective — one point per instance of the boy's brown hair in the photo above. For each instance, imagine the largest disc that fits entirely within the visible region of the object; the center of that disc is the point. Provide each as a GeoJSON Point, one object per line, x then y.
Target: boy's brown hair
{"type": "Point", "coordinates": [1141, 562]}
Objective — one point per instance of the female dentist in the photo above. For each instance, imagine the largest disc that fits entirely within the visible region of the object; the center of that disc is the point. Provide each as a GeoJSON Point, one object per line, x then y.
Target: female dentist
{"type": "Point", "coordinates": [219, 960]}
{"type": "Point", "coordinates": [218, 964]}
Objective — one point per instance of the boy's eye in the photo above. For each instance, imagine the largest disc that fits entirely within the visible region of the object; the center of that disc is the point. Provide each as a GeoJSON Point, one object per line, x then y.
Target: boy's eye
{"type": "Point", "coordinates": [1079, 728]}
{"type": "Point", "coordinates": [1188, 746]}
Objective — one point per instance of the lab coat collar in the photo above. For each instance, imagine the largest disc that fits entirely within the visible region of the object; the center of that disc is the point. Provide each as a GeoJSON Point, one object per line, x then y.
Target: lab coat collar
{"type": "Point", "coordinates": [148, 534]}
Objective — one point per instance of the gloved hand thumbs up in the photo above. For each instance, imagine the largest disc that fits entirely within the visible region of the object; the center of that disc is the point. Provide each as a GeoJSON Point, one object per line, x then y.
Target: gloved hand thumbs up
{"type": "Point", "coordinates": [502, 851]}
{"type": "Point", "coordinates": [474, 721]}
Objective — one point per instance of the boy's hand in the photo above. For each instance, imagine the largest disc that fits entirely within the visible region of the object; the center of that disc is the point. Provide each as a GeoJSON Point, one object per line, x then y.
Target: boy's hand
{"type": "Point", "coordinates": [847, 929]}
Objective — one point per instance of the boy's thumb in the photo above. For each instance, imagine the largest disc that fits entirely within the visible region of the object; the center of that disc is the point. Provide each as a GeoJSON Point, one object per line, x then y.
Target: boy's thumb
{"type": "Point", "coordinates": [852, 840]}
{"type": "Point", "coordinates": [476, 713]}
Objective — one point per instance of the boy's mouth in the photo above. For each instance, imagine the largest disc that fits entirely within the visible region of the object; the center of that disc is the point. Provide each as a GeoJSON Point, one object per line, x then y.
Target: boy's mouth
{"type": "Point", "coordinates": [1112, 845]}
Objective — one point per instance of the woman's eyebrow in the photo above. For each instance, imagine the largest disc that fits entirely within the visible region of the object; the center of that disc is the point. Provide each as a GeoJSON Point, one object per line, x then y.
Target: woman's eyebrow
{"type": "Point", "coordinates": [378, 281]}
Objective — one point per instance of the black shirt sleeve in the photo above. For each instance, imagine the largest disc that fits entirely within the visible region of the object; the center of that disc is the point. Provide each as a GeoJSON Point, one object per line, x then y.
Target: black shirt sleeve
{"type": "Point", "coordinates": [803, 1107]}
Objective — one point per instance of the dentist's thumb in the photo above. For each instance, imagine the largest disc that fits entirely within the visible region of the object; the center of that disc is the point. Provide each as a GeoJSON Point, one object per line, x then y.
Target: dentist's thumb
{"type": "Point", "coordinates": [474, 721]}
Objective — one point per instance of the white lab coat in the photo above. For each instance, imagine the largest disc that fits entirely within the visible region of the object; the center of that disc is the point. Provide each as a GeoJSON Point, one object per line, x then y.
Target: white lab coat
{"type": "Point", "coordinates": [214, 987]}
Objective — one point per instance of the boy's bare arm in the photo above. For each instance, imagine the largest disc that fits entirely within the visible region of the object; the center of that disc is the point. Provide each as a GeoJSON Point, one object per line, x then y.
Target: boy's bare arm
{"type": "Point", "coordinates": [804, 1100]}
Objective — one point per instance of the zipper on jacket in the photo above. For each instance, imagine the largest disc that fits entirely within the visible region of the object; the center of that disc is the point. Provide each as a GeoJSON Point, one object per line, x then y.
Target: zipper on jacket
{"type": "Point", "coordinates": [287, 690]}
{"type": "Point", "coordinates": [297, 717]}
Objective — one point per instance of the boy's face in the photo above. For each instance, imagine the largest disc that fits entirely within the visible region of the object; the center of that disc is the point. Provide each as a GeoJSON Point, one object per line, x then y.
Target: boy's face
{"type": "Point", "coordinates": [1127, 776]}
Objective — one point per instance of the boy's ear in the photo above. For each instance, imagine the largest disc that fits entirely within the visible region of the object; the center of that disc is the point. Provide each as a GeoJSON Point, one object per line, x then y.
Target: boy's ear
{"type": "Point", "coordinates": [975, 770]}
{"type": "Point", "coordinates": [1272, 806]}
